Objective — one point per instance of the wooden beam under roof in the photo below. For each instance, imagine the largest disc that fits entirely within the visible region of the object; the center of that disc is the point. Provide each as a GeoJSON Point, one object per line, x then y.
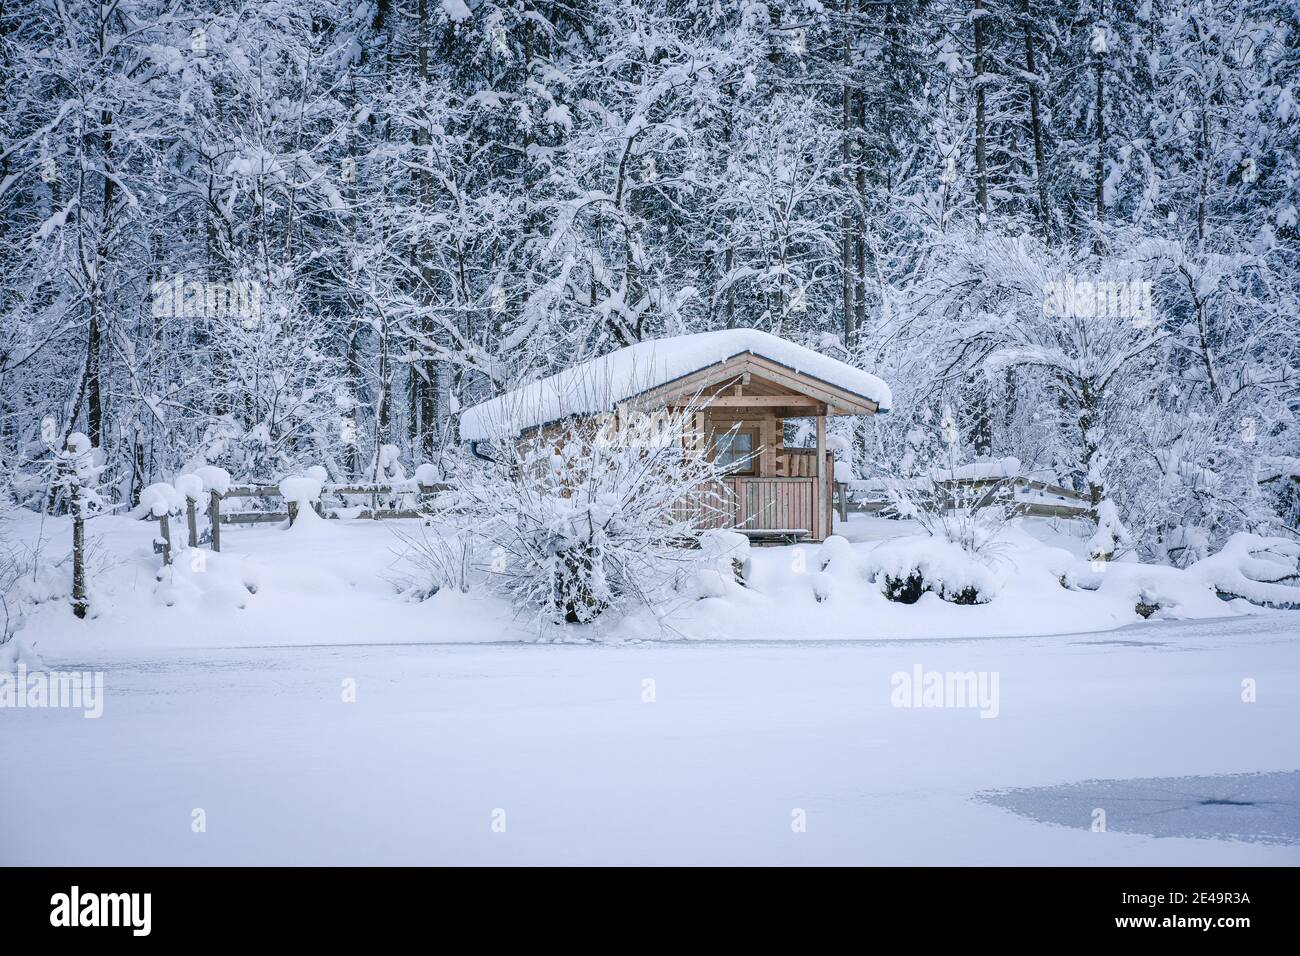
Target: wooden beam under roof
{"type": "Point", "coordinates": [719, 376]}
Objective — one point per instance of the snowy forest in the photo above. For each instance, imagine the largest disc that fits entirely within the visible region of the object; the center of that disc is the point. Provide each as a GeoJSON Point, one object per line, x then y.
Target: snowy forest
{"type": "Point", "coordinates": [272, 234]}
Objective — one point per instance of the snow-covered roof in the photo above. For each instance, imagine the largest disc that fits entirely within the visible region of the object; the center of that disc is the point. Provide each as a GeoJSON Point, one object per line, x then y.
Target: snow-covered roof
{"type": "Point", "coordinates": [601, 384]}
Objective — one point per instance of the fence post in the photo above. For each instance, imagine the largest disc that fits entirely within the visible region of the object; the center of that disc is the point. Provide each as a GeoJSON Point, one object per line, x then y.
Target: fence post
{"type": "Point", "coordinates": [79, 604]}
{"type": "Point", "coordinates": [192, 520]}
{"type": "Point", "coordinates": [293, 512]}
{"type": "Point", "coordinates": [214, 518]}
{"type": "Point", "coordinates": [164, 525]}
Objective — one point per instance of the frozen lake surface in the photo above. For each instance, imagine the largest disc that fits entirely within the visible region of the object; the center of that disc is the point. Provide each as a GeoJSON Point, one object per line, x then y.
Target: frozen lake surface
{"type": "Point", "coordinates": [1263, 807]}
{"type": "Point", "coordinates": [660, 753]}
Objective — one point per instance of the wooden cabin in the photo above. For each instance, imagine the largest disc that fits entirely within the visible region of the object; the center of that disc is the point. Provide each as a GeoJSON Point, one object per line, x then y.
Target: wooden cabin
{"type": "Point", "coordinates": [742, 385]}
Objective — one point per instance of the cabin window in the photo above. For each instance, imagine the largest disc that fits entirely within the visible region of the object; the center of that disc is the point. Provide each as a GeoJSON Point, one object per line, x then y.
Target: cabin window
{"type": "Point", "coordinates": [735, 450]}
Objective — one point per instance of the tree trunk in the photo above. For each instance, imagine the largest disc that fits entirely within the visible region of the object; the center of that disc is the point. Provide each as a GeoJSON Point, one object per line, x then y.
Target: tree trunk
{"type": "Point", "coordinates": [1101, 119]}
{"type": "Point", "coordinates": [860, 240]}
{"type": "Point", "coordinates": [423, 392]}
{"type": "Point", "coordinates": [847, 218]}
{"type": "Point", "coordinates": [1088, 405]}
{"type": "Point", "coordinates": [95, 300]}
{"type": "Point", "coordinates": [981, 131]}
{"type": "Point", "coordinates": [1203, 156]}
{"type": "Point", "coordinates": [1036, 127]}
{"type": "Point", "coordinates": [94, 400]}
{"type": "Point", "coordinates": [79, 602]}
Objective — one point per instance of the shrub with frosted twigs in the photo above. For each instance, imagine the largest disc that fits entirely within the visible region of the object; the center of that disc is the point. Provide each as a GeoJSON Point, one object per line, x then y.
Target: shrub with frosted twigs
{"type": "Point", "coordinates": [592, 515]}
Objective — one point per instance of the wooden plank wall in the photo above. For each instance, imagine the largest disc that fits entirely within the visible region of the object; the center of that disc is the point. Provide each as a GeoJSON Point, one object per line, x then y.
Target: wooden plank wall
{"type": "Point", "coordinates": [757, 504]}
{"type": "Point", "coordinates": [765, 504]}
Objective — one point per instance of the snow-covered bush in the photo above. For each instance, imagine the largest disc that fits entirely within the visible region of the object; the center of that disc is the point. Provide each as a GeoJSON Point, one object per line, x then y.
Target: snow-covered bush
{"type": "Point", "coordinates": [966, 510]}
{"type": "Point", "coordinates": [432, 561]}
{"type": "Point", "coordinates": [835, 554]}
{"type": "Point", "coordinates": [593, 514]}
{"type": "Point", "coordinates": [906, 568]}
{"type": "Point", "coordinates": [724, 564]}
{"type": "Point", "coordinates": [211, 580]}
{"type": "Point", "coordinates": [1111, 537]}
{"type": "Point", "coordinates": [949, 505]}
{"type": "Point", "coordinates": [1262, 570]}
{"type": "Point", "coordinates": [836, 561]}
{"type": "Point", "coordinates": [9, 564]}
{"type": "Point", "coordinates": [10, 569]}
{"type": "Point", "coordinates": [823, 586]}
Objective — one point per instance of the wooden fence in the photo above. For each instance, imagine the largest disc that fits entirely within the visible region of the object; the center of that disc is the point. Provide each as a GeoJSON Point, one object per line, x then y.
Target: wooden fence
{"type": "Point", "coordinates": [374, 491]}
{"type": "Point", "coordinates": [216, 518]}
{"type": "Point", "coordinates": [965, 492]}
{"type": "Point", "coordinates": [954, 493]}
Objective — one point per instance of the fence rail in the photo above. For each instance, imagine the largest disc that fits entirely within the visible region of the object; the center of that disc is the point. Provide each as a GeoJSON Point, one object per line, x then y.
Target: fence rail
{"type": "Point", "coordinates": [990, 490]}
{"type": "Point", "coordinates": [351, 490]}
{"type": "Point", "coordinates": [216, 519]}
{"type": "Point", "coordinates": [374, 490]}
{"type": "Point", "coordinates": [976, 491]}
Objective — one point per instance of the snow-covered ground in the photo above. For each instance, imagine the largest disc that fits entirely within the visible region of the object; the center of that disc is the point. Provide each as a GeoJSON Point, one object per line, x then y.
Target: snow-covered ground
{"type": "Point", "coordinates": [338, 582]}
{"type": "Point", "coordinates": [285, 695]}
{"type": "Point", "coordinates": [670, 753]}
